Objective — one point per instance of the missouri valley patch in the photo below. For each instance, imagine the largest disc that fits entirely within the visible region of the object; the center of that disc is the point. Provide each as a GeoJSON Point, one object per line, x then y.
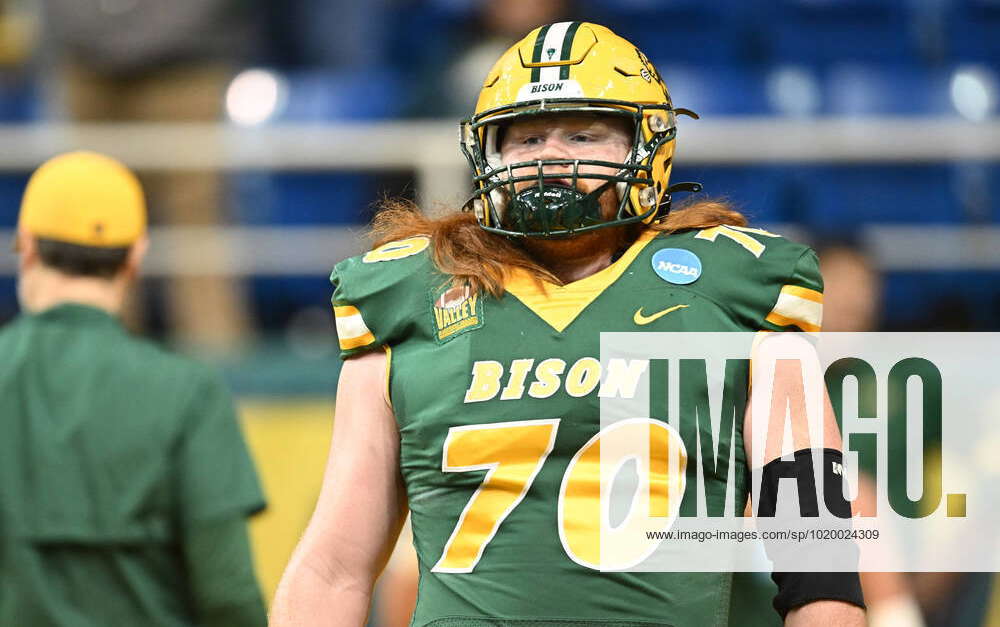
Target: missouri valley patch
{"type": "Point", "coordinates": [456, 310]}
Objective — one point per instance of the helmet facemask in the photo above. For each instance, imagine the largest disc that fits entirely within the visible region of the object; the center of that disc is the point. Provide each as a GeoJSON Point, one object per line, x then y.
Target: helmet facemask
{"type": "Point", "coordinates": [548, 209]}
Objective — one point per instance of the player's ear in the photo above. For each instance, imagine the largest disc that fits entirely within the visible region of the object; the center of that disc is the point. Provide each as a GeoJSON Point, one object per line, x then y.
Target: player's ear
{"type": "Point", "coordinates": [136, 255]}
{"type": "Point", "coordinates": [26, 246]}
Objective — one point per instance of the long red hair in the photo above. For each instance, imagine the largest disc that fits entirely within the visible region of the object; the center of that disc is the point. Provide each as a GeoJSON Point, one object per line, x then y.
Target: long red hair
{"type": "Point", "coordinates": [471, 255]}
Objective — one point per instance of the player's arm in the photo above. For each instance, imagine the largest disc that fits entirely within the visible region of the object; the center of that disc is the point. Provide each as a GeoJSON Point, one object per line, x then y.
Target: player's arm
{"type": "Point", "coordinates": [826, 612]}
{"type": "Point", "coordinates": [359, 513]}
{"type": "Point", "coordinates": [788, 385]}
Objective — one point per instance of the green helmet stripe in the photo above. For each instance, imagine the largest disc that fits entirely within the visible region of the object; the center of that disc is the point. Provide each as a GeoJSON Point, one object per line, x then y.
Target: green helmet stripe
{"type": "Point", "coordinates": [567, 49]}
{"type": "Point", "coordinates": [536, 56]}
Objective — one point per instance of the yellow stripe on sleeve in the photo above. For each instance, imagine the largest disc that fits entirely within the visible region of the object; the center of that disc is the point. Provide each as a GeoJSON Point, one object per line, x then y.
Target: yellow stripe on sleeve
{"type": "Point", "coordinates": [782, 321]}
{"type": "Point", "coordinates": [798, 307]}
{"type": "Point", "coordinates": [343, 311]}
{"type": "Point", "coordinates": [803, 292]}
{"type": "Point", "coordinates": [356, 342]}
{"type": "Point", "coordinates": [352, 331]}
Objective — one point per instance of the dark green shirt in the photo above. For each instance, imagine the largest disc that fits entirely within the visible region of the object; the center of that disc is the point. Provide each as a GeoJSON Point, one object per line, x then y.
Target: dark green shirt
{"type": "Point", "coordinates": [116, 458]}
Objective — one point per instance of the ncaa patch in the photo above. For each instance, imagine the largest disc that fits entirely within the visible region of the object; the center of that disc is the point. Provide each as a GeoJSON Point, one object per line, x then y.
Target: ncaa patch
{"type": "Point", "coordinates": [456, 310]}
{"type": "Point", "coordinates": [677, 266]}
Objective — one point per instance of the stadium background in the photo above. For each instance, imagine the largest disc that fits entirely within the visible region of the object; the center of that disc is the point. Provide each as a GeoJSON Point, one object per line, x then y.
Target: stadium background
{"type": "Point", "coordinates": [866, 123]}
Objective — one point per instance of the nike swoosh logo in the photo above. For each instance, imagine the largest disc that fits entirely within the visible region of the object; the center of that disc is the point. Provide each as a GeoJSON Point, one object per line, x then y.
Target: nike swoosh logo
{"type": "Point", "coordinates": [640, 319]}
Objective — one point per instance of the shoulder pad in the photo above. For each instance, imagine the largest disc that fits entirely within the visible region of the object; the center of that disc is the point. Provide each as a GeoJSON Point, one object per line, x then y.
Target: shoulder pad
{"type": "Point", "coordinates": [769, 282]}
{"type": "Point", "coordinates": [376, 294]}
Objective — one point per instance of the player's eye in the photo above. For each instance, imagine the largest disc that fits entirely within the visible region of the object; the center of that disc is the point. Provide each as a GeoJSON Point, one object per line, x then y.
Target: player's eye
{"type": "Point", "coordinates": [582, 137]}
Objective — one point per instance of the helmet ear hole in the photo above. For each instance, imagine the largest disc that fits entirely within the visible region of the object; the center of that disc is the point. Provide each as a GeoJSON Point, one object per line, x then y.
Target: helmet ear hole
{"type": "Point", "coordinates": [657, 123]}
{"type": "Point", "coordinates": [647, 196]}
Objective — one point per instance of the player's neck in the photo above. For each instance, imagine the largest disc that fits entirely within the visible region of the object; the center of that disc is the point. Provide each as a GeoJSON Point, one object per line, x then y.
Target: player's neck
{"type": "Point", "coordinates": [575, 258]}
{"type": "Point", "coordinates": [46, 288]}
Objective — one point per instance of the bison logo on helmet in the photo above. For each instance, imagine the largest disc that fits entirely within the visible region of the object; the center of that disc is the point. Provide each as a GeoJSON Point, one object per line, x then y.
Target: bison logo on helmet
{"type": "Point", "coordinates": [649, 69]}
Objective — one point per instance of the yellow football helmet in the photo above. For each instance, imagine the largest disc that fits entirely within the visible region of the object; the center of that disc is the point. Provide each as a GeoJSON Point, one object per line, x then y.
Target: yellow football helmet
{"type": "Point", "coordinates": [571, 67]}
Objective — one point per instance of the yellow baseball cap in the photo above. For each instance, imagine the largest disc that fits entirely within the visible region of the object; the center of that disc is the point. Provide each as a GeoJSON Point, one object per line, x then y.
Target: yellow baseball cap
{"type": "Point", "coordinates": [84, 198]}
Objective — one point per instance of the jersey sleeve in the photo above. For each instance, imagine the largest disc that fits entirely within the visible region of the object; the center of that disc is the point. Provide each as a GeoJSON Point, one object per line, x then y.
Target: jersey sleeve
{"type": "Point", "coordinates": [215, 473]}
{"type": "Point", "coordinates": [799, 299]}
{"type": "Point", "coordinates": [765, 281]}
{"type": "Point", "coordinates": [378, 296]}
{"type": "Point", "coordinates": [221, 580]}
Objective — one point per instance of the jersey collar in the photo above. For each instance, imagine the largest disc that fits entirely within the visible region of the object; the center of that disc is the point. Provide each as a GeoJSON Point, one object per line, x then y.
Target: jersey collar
{"type": "Point", "coordinates": [559, 305]}
{"type": "Point", "coordinates": [77, 313]}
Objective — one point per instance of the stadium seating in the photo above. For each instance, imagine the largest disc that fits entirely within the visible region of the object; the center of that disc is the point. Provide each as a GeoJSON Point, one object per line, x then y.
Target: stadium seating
{"type": "Point", "coordinates": [20, 100]}
{"type": "Point", "coordinates": [682, 31]}
{"type": "Point", "coordinates": [973, 27]}
{"type": "Point", "coordinates": [853, 89]}
{"type": "Point", "coordinates": [303, 198]}
{"type": "Point", "coordinates": [320, 197]}
{"type": "Point", "coordinates": [717, 90]}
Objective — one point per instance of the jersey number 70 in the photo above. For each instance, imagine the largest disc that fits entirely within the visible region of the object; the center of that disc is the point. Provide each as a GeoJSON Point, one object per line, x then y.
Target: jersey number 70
{"type": "Point", "coordinates": [513, 453]}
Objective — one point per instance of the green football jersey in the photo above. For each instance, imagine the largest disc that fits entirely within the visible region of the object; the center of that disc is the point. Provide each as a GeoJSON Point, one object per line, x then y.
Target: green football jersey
{"type": "Point", "coordinates": [497, 406]}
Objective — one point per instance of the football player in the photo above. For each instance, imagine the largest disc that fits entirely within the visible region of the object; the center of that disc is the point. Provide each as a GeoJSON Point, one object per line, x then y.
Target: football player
{"type": "Point", "coordinates": [469, 393]}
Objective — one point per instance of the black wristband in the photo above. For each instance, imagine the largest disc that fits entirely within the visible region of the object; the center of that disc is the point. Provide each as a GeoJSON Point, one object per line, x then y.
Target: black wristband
{"type": "Point", "coordinates": [799, 588]}
{"type": "Point", "coordinates": [801, 470]}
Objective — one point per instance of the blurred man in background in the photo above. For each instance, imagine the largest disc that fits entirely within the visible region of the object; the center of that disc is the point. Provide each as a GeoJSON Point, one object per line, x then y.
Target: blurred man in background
{"type": "Point", "coordinates": [853, 288]}
{"type": "Point", "coordinates": [154, 61]}
{"type": "Point", "coordinates": [17, 33]}
{"type": "Point", "coordinates": [126, 482]}
{"type": "Point", "coordinates": [18, 39]}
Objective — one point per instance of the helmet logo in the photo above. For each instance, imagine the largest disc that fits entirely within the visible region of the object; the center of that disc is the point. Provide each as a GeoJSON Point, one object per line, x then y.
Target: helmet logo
{"type": "Point", "coordinates": [551, 52]}
{"type": "Point", "coordinates": [555, 89]}
{"type": "Point", "coordinates": [648, 69]}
